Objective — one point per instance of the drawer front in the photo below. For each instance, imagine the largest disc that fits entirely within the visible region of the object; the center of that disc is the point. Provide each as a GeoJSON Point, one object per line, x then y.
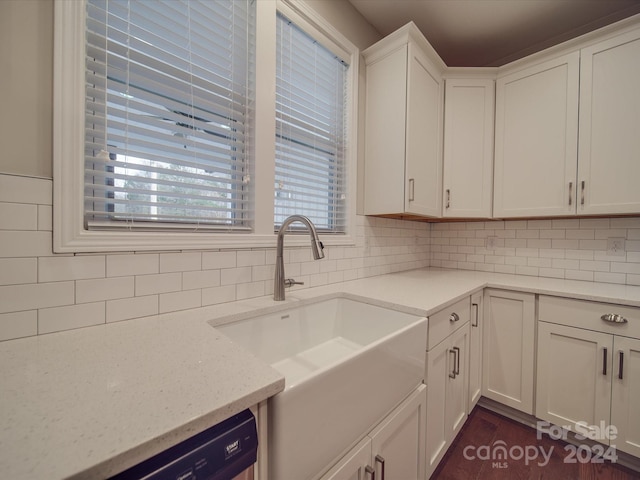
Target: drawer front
{"type": "Point", "coordinates": [587, 314]}
{"type": "Point", "coordinates": [447, 321]}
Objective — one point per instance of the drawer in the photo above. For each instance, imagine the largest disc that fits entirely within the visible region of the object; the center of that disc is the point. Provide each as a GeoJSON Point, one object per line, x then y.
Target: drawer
{"type": "Point", "coordinates": [586, 314]}
{"type": "Point", "coordinates": [447, 321]}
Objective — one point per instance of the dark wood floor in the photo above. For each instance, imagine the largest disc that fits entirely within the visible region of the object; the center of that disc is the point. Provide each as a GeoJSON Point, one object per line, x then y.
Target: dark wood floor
{"type": "Point", "coordinates": [485, 428]}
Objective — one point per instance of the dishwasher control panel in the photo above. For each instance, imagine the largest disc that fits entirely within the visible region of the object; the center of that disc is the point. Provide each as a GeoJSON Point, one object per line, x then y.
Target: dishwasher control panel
{"type": "Point", "coordinates": [221, 452]}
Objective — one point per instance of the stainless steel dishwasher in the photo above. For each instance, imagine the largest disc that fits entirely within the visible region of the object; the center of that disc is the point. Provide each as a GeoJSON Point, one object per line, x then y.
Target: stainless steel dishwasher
{"type": "Point", "coordinates": [226, 451]}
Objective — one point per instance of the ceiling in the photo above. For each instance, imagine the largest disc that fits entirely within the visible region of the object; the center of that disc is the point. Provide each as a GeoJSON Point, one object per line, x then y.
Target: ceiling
{"type": "Point", "coordinates": [491, 33]}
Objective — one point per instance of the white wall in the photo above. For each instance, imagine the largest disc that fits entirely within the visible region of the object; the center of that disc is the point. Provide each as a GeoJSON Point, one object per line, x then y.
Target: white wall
{"type": "Point", "coordinates": [26, 84]}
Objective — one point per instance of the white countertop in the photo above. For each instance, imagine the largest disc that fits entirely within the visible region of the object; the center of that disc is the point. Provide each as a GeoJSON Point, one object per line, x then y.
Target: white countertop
{"type": "Point", "coordinates": [88, 403]}
{"type": "Point", "coordinates": [83, 403]}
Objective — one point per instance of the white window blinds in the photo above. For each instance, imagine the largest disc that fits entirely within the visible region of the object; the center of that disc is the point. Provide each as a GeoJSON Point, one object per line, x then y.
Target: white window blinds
{"type": "Point", "coordinates": [169, 92]}
{"type": "Point", "coordinates": [311, 86]}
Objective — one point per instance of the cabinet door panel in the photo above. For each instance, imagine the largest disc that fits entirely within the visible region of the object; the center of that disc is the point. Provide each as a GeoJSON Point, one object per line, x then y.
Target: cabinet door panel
{"type": "Point", "coordinates": [386, 110]}
{"type": "Point", "coordinates": [536, 140]}
{"type": "Point", "coordinates": [508, 349]}
{"type": "Point", "coordinates": [439, 365]}
{"type": "Point", "coordinates": [475, 351]}
{"type": "Point", "coordinates": [468, 148]}
{"type": "Point", "coordinates": [353, 464]}
{"type": "Point", "coordinates": [574, 375]}
{"type": "Point", "coordinates": [457, 388]}
{"type": "Point", "coordinates": [399, 440]}
{"type": "Point", "coordinates": [626, 395]}
{"type": "Point", "coordinates": [424, 132]}
{"type": "Point", "coordinates": [610, 126]}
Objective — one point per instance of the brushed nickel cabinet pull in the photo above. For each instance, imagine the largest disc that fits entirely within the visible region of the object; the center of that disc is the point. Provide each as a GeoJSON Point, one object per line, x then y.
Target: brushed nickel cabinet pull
{"type": "Point", "coordinates": [448, 198]}
{"type": "Point", "coordinates": [454, 317]}
{"type": "Point", "coordinates": [412, 189]}
{"type": "Point", "coordinates": [370, 471]}
{"type": "Point", "coordinates": [621, 354]}
{"type": "Point", "coordinates": [457, 369]}
{"type": "Point", "coordinates": [477, 308]}
{"type": "Point", "coordinates": [604, 361]}
{"type": "Point", "coordinates": [613, 318]}
{"type": "Point", "coordinates": [570, 193]}
{"type": "Point", "coordinates": [582, 193]}
{"type": "Point", "coordinates": [380, 460]}
{"type": "Point", "coordinates": [453, 371]}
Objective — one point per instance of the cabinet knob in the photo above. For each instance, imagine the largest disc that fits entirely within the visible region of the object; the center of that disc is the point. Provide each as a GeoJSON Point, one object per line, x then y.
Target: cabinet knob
{"type": "Point", "coordinates": [613, 318]}
{"type": "Point", "coordinates": [454, 317]}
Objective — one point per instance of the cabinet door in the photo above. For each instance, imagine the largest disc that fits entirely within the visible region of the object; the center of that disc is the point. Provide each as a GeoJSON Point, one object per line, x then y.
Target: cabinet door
{"type": "Point", "coordinates": [385, 133]}
{"type": "Point", "coordinates": [468, 148]}
{"type": "Point", "coordinates": [609, 167]}
{"type": "Point", "coordinates": [398, 443]}
{"type": "Point", "coordinates": [352, 466]}
{"type": "Point", "coordinates": [574, 375]}
{"type": "Point", "coordinates": [626, 394]}
{"type": "Point", "coordinates": [424, 136]}
{"type": "Point", "coordinates": [508, 348]}
{"type": "Point", "coordinates": [475, 351]}
{"type": "Point", "coordinates": [447, 386]}
{"type": "Point", "coordinates": [440, 364]}
{"type": "Point", "coordinates": [457, 388]}
{"type": "Point", "coordinates": [536, 140]}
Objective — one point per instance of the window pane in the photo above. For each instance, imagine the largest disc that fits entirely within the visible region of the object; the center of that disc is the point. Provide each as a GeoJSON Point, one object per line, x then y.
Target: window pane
{"type": "Point", "coordinates": [168, 96]}
{"type": "Point", "coordinates": [310, 130]}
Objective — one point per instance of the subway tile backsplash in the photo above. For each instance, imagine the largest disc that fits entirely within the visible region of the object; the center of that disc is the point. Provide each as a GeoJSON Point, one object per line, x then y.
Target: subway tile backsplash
{"type": "Point", "coordinates": [41, 292]}
{"type": "Point", "coordinates": [575, 249]}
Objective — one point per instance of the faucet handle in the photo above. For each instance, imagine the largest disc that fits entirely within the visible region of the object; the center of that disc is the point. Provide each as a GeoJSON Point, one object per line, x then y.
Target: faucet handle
{"type": "Point", "coordinates": [289, 282]}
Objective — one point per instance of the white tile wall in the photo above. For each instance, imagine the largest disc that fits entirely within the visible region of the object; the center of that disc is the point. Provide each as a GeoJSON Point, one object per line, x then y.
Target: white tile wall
{"type": "Point", "coordinates": [41, 292]}
{"type": "Point", "coordinates": [564, 248]}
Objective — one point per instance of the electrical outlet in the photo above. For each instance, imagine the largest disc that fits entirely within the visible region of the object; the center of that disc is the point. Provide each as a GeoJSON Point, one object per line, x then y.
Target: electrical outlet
{"type": "Point", "coordinates": [615, 247]}
{"type": "Point", "coordinates": [491, 243]}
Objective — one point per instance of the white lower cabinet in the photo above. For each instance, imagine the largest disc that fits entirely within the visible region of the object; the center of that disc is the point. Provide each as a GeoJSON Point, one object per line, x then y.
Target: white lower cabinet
{"type": "Point", "coordinates": [508, 348]}
{"type": "Point", "coordinates": [589, 370]}
{"type": "Point", "coordinates": [625, 395]}
{"type": "Point", "coordinates": [394, 449]}
{"type": "Point", "coordinates": [447, 379]}
{"type": "Point", "coordinates": [475, 350]}
{"type": "Point", "coordinates": [355, 465]}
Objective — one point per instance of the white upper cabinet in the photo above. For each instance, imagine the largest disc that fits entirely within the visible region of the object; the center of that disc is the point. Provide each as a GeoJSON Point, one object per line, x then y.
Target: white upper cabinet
{"type": "Point", "coordinates": [536, 139]}
{"type": "Point", "coordinates": [468, 148]}
{"type": "Point", "coordinates": [609, 149]}
{"type": "Point", "coordinates": [403, 130]}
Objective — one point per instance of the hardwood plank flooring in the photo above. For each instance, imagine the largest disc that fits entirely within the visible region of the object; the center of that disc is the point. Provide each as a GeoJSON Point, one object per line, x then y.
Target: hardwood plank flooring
{"type": "Point", "coordinates": [466, 460]}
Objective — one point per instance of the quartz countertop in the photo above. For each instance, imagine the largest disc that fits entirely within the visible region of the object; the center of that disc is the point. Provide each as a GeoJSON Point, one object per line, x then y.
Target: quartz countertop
{"type": "Point", "coordinates": [91, 402]}
{"type": "Point", "coordinates": [88, 403]}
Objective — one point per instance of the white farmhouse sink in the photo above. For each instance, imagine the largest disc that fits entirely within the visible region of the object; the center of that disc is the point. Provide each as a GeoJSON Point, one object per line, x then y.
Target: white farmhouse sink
{"type": "Point", "coordinates": [346, 364]}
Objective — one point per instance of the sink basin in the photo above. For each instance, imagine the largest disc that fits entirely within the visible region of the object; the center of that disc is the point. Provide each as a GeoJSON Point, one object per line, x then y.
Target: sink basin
{"type": "Point", "coordinates": [346, 364]}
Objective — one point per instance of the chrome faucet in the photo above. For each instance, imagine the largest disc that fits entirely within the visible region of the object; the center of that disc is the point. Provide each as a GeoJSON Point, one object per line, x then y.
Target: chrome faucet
{"type": "Point", "coordinates": [280, 282]}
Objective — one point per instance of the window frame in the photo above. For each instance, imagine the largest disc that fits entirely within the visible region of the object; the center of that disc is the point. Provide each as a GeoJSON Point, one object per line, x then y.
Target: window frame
{"type": "Point", "coordinates": [69, 233]}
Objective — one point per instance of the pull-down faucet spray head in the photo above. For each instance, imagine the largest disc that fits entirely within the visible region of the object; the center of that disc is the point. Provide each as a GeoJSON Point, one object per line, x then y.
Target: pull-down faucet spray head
{"type": "Point", "coordinates": [316, 250]}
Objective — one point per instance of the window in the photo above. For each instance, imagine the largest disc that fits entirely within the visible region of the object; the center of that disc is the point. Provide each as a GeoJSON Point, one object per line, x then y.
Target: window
{"type": "Point", "coordinates": [163, 141]}
{"type": "Point", "coordinates": [310, 130]}
{"type": "Point", "coordinates": [168, 92]}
